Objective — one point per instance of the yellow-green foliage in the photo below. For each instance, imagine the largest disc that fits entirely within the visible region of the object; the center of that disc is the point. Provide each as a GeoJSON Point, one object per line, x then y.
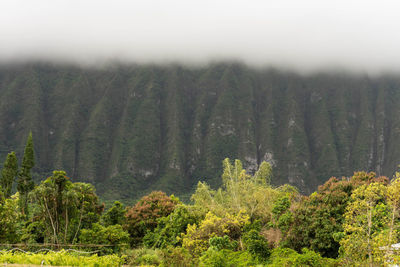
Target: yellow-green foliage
{"type": "Point", "coordinates": [145, 257]}
{"type": "Point", "coordinates": [366, 216]}
{"type": "Point", "coordinates": [61, 258]}
{"type": "Point", "coordinates": [241, 192]}
{"type": "Point", "coordinates": [196, 238]}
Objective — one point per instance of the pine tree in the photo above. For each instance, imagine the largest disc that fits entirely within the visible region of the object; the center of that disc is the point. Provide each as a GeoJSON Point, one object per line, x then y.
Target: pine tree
{"type": "Point", "coordinates": [8, 174]}
{"type": "Point", "coordinates": [25, 182]}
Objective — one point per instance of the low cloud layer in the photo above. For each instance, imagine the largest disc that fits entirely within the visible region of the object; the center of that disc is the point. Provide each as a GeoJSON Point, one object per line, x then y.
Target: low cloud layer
{"type": "Point", "coordinates": [304, 35]}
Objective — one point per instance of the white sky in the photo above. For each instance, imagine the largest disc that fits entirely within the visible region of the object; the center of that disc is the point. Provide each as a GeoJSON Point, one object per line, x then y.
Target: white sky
{"type": "Point", "coordinates": [301, 34]}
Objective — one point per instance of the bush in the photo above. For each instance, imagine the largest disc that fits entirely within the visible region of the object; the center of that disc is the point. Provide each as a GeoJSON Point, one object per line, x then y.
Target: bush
{"type": "Point", "coordinates": [144, 256]}
{"type": "Point", "coordinates": [256, 245]}
{"type": "Point", "coordinates": [177, 256]}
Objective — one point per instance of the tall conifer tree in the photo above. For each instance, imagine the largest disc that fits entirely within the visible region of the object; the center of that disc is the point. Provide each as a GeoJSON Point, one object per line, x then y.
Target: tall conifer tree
{"type": "Point", "coordinates": [8, 174]}
{"type": "Point", "coordinates": [25, 182]}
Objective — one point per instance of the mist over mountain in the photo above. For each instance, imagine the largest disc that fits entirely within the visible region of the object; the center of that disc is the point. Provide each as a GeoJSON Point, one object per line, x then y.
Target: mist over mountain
{"type": "Point", "coordinates": [304, 36]}
{"type": "Point", "coordinates": [133, 128]}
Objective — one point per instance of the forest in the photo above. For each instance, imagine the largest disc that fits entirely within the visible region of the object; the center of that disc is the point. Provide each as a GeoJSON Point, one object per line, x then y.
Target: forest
{"type": "Point", "coordinates": [348, 221]}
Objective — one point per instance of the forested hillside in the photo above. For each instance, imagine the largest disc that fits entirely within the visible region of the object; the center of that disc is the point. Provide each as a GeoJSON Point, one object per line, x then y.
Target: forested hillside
{"type": "Point", "coordinates": [129, 129]}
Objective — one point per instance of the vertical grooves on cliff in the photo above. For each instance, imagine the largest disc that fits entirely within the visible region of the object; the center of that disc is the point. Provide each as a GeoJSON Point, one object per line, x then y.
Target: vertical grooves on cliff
{"type": "Point", "coordinates": [131, 129]}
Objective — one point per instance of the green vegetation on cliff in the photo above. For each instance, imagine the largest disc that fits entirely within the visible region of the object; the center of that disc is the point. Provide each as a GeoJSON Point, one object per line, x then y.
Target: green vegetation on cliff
{"type": "Point", "coordinates": [133, 129]}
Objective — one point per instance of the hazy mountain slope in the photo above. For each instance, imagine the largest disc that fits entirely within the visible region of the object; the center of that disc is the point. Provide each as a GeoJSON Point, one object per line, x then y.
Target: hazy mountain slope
{"type": "Point", "coordinates": [130, 129]}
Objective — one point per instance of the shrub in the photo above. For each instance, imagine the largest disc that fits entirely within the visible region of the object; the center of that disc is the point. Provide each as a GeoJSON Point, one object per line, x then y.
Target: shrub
{"type": "Point", "coordinates": [144, 256]}
{"type": "Point", "coordinates": [177, 256]}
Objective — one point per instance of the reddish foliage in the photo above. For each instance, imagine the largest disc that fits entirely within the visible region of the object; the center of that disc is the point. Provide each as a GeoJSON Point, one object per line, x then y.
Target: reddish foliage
{"type": "Point", "coordinates": [143, 216]}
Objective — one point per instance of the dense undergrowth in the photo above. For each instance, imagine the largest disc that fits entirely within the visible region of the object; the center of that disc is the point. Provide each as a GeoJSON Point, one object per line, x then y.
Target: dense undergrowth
{"type": "Point", "coordinates": [60, 258]}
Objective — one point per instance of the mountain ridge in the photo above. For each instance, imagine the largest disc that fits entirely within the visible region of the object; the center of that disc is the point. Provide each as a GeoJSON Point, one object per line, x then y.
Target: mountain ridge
{"type": "Point", "coordinates": [133, 128]}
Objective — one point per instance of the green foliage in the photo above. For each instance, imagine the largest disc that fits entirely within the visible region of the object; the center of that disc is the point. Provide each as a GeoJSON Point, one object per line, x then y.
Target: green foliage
{"type": "Point", "coordinates": [61, 258]}
{"type": "Point", "coordinates": [256, 245]}
{"type": "Point", "coordinates": [281, 205]}
{"type": "Point", "coordinates": [34, 232]}
{"type": "Point", "coordinates": [8, 174]}
{"type": "Point", "coordinates": [288, 257]}
{"type": "Point", "coordinates": [170, 228]}
{"type": "Point", "coordinates": [114, 215]}
{"type": "Point", "coordinates": [143, 216]}
{"type": "Point", "coordinates": [219, 243]}
{"type": "Point", "coordinates": [25, 182]}
{"type": "Point", "coordinates": [282, 216]}
{"type": "Point", "coordinates": [113, 236]}
{"type": "Point", "coordinates": [10, 220]}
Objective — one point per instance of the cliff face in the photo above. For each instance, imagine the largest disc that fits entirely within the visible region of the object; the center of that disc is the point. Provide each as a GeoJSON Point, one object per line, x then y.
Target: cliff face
{"type": "Point", "coordinates": [130, 129]}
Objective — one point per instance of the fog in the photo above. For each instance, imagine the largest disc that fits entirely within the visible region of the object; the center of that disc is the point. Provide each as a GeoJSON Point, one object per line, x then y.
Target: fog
{"type": "Point", "coordinates": [302, 35]}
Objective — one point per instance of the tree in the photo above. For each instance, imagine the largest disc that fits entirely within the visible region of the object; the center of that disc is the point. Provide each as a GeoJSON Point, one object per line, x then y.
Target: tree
{"type": "Point", "coordinates": [65, 207]}
{"type": "Point", "coordinates": [196, 239]}
{"type": "Point", "coordinates": [264, 173]}
{"type": "Point", "coordinates": [25, 182]}
{"type": "Point", "coordinates": [8, 174]}
{"type": "Point", "coordinates": [9, 220]}
{"type": "Point", "coordinates": [170, 228]}
{"type": "Point", "coordinates": [393, 200]}
{"type": "Point", "coordinates": [240, 191]}
{"type": "Point", "coordinates": [143, 216]}
{"type": "Point", "coordinates": [366, 216]}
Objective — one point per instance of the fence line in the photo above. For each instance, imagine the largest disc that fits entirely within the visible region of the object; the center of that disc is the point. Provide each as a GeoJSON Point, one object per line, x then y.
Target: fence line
{"type": "Point", "coordinates": [56, 245]}
{"type": "Point", "coordinates": [48, 250]}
